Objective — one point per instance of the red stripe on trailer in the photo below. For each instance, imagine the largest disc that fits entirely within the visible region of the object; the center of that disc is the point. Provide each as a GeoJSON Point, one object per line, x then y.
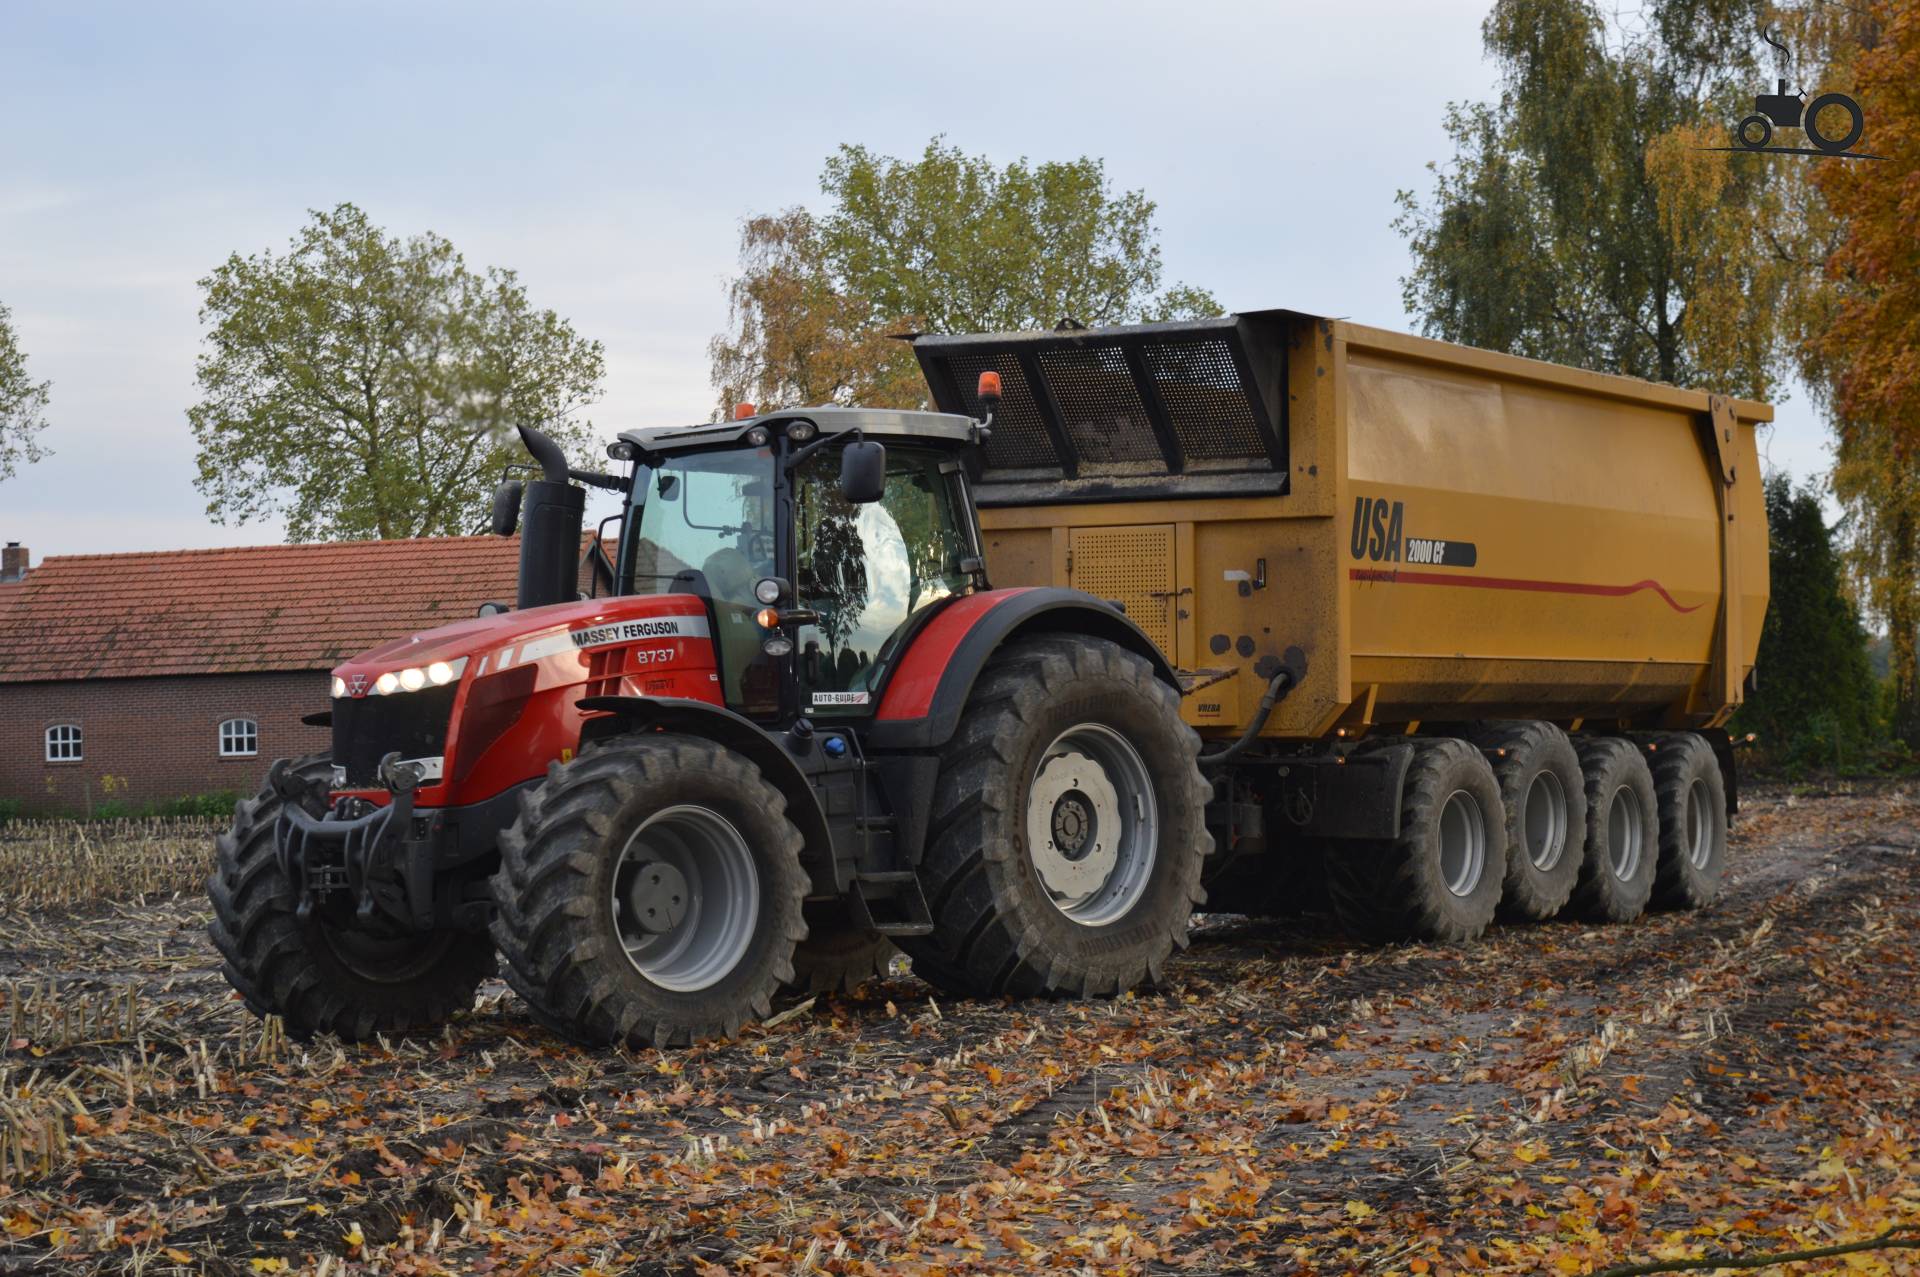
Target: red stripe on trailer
{"type": "Point", "coordinates": [910, 691]}
{"type": "Point", "coordinates": [1518, 583]}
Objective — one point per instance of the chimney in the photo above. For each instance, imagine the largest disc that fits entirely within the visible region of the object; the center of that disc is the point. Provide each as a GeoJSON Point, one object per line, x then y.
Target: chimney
{"type": "Point", "coordinates": [13, 562]}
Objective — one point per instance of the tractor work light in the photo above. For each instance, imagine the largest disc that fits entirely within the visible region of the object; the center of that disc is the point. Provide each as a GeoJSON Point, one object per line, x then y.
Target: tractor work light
{"type": "Point", "coordinates": [758, 436]}
{"type": "Point", "coordinates": [413, 678]}
{"type": "Point", "coordinates": [621, 451]}
{"type": "Point", "coordinates": [777, 645]}
{"type": "Point", "coordinates": [440, 673]}
{"type": "Point", "coordinates": [767, 590]}
{"type": "Point", "coordinates": [801, 431]}
{"type": "Point", "coordinates": [339, 687]}
{"type": "Point", "coordinates": [386, 684]}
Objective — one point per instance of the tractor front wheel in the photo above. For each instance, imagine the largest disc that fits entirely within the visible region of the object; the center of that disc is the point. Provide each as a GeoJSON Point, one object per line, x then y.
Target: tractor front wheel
{"type": "Point", "coordinates": [323, 974]}
{"type": "Point", "coordinates": [1068, 827]}
{"type": "Point", "coordinates": [650, 893]}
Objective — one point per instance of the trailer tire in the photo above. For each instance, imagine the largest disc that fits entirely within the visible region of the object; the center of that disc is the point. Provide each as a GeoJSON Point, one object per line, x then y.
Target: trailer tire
{"type": "Point", "coordinates": [1691, 795]}
{"type": "Point", "coordinates": [318, 976]}
{"type": "Point", "coordinates": [1008, 917]}
{"type": "Point", "coordinates": [1623, 832]}
{"type": "Point", "coordinates": [571, 932]}
{"type": "Point", "coordinates": [837, 956]}
{"type": "Point", "coordinates": [1440, 880]}
{"type": "Point", "coordinates": [1543, 796]}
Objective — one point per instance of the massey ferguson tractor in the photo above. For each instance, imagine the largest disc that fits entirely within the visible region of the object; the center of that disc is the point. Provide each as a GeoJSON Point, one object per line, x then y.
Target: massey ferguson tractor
{"type": "Point", "coordinates": [802, 727]}
{"type": "Point", "coordinates": [1459, 632]}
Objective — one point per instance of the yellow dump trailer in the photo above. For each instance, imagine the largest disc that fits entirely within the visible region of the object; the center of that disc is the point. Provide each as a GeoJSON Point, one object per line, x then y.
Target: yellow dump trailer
{"type": "Point", "coordinates": [1384, 537]}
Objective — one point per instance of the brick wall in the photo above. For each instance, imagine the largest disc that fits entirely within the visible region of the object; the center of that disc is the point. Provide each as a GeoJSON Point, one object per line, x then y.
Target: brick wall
{"type": "Point", "coordinates": [160, 735]}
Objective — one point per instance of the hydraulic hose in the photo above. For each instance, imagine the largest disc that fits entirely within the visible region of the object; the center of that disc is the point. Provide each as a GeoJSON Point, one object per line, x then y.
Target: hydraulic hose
{"type": "Point", "coordinates": [1277, 688]}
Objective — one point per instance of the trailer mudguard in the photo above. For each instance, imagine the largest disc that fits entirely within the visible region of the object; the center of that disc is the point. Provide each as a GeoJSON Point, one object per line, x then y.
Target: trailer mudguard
{"type": "Point", "coordinates": [927, 691]}
{"type": "Point", "coordinates": [625, 714]}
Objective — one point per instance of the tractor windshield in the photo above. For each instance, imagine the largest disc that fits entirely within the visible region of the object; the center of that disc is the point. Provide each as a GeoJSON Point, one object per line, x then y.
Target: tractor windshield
{"type": "Point", "coordinates": [867, 569]}
{"type": "Point", "coordinates": [703, 524]}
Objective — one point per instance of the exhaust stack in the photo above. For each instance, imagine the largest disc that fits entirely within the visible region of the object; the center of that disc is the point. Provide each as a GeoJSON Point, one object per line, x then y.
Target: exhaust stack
{"type": "Point", "coordinates": [549, 527]}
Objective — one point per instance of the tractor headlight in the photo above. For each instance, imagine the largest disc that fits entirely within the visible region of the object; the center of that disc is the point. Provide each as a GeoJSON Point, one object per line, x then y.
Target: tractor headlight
{"type": "Point", "coordinates": [415, 677]}
{"type": "Point", "coordinates": [339, 687]}
{"type": "Point", "coordinates": [767, 590]}
{"type": "Point", "coordinates": [801, 431]}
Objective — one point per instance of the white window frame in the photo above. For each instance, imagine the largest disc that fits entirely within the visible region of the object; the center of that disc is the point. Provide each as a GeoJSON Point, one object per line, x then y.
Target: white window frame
{"type": "Point", "coordinates": [65, 743]}
{"type": "Point", "coordinates": [235, 731]}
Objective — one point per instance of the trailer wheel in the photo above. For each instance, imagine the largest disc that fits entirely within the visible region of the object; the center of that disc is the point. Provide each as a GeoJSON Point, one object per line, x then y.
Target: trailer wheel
{"type": "Point", "coordinates": [1623, 832]}
{"type": "Point", "coordinates": [1543, 796]}
{"type": "Point", "coordinates": [650, 893]}
{"type": "Point", "coordinates": [1440, 879]}
{"type": "Point", "coordinates": [1068, 827]}
{"type": "Point", "coordinates": [837, 956]}
{"type": "Point", "coordinates": [326, 975]}
{"type": "Point", "coordinates": [1691, 796]}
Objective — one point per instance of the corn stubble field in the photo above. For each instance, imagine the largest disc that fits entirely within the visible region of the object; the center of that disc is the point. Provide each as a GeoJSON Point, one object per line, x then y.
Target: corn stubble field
{"type": "Point", "coordinates": [1556, 1098]}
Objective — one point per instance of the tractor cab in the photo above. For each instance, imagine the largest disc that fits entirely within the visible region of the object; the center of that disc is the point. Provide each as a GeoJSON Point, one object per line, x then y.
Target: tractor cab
{"type": "Point", "coordinates": [818, 539]}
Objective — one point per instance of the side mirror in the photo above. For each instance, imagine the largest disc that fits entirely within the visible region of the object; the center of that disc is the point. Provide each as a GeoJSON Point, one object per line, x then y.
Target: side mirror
{"type": "Point", "coordinates": [506, 507]}
{"type": "Point", "coordinates": [863, 471]}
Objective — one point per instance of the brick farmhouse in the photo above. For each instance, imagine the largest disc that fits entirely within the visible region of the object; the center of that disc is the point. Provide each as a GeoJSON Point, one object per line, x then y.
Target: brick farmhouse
{"type": "Point", "coordinates": [138, 678]}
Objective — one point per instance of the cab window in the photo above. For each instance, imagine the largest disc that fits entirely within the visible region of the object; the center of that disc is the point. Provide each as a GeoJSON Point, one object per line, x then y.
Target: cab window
{"type": "Point", "coordinates": [703, 524]}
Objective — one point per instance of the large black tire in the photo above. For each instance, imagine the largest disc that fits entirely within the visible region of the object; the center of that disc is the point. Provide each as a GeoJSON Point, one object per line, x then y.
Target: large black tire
{"type": "Point", "coordinates": [1691, 795]}
{"type": "Point", "coordinates": [837, 956]}
{"type": "Point", "coordinates": [1623, 832]}
{"type": "Point", "coordinates": [325, 975]}
{"type": "Point", "coordinates": [997, 928]}
{"type": "Point", "coordinates": [1429, 883]}
{"type": "Point", "coordinates": [1543, 796]}
{"type": "Point", "coordinates": [555, 916]}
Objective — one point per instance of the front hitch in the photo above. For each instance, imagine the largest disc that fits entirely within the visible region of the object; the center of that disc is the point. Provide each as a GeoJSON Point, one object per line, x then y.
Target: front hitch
{"type": "Point", "coordinates": [355, 848]}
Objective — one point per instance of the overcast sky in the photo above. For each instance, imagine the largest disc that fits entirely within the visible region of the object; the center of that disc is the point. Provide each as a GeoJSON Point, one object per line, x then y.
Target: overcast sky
{"type": "Point", "coordinates": [609, 153]}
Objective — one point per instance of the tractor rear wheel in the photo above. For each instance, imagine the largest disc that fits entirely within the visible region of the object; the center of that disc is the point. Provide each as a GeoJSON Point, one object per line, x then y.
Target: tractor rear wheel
{"type": "Point", "coordinates": [1543, 797]}
{"type": "Point", "coordinates": [1068, 827]}
{"type": "Point", "coordinates": [1441, 878]}
{"type": "Point", "coordinates": [326, 975]}
{"type": "Point", "coordinates": [650, 893]}
{"type": "Point", "coordinates": [1623, 832]}
{"type": "Point", "coordinates": [837, 956]}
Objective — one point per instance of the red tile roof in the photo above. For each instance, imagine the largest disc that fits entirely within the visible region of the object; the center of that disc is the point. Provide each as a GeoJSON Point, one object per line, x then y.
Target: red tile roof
{"type": "Point", "coordinates": [275, 607]}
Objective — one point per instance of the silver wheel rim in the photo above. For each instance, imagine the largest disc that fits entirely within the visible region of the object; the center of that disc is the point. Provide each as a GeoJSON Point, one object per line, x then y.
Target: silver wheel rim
{"type": "Point", "coordinates": [1543, 820]}
{"type": "Point", "coordinates": [685, 898]}
{"type": "Point", "coordinates": [1699, 825]}
{"type": "Point", "coordinates": [1623, 833]}
{"type": "Point", "coordinates": [1093, 829]}
{"type": "Point", "coordinates": [1463, 843]}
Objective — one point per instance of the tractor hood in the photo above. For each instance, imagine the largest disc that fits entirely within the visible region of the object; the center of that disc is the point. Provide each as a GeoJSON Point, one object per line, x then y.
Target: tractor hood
{"type": "Point", "coordinates": [491, 644]}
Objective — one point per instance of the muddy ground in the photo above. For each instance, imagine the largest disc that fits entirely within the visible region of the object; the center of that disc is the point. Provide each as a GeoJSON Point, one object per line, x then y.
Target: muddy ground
{"type": "Point", "coordinates": [1555, 1098]}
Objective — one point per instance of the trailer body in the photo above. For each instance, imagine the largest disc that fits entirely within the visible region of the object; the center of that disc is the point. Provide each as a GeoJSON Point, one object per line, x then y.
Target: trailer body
{"type": "Point", "coordinates": [1437, 534]}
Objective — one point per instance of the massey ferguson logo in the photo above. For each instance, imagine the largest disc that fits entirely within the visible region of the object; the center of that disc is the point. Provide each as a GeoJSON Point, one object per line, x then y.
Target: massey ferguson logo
{"type": "Point", "coordinates": [357, 685]}
{"type": "Point", "coordinates": [1380, 536]}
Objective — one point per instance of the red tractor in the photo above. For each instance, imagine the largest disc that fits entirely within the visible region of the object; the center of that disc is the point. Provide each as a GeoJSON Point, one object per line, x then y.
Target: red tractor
{"type": "Point", "coordinates": [801, 728]}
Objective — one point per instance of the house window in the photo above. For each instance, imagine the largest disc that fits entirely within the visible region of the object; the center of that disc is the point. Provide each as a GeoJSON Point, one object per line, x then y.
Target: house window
{"type": "Point", "coordinates": [239, 738]}
{"type": "Point", "coordinates": [63, 743]}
